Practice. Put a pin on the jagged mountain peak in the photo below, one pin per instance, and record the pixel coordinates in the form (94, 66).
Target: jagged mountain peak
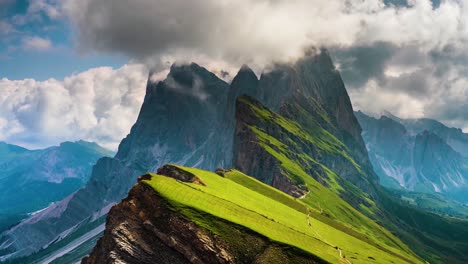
(191, 66)
(245, 82)
(245, 68)
(245, 73)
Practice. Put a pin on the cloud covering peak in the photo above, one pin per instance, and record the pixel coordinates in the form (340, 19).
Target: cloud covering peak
(407, 56)
(260, 31)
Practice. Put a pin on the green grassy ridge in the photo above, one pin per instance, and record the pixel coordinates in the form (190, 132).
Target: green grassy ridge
(248, 246)
(244, 201)
(337, 209)
(295, 164)
(296, 204)
(266, 190)
(437, 239)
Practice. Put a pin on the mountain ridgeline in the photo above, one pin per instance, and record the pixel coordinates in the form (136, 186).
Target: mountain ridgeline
(293, 128)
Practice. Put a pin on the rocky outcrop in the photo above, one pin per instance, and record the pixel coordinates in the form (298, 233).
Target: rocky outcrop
(178, 174)
(144, 228)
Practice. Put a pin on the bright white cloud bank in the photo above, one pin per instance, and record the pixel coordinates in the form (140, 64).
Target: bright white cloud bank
(37, 43)
(98, 105)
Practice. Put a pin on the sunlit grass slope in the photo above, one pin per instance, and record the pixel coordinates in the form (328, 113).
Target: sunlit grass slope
(244, 201)
(290, 151)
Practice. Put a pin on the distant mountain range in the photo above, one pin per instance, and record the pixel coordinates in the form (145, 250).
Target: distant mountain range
(421, 155)
(31, 180)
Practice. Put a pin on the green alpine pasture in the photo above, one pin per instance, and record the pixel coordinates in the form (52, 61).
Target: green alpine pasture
(325, 199)
(244, 201)
(290, 150)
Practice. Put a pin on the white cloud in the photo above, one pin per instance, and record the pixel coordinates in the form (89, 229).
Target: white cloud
(260, 31)
(98, 105)
(418, 92)
(38, 10)
(371, 98)
(50, 8)
(36, 43)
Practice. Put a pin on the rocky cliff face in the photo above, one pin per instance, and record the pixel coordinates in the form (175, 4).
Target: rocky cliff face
(389, 145)
(179, 116)
(144, 228)
(435, 161)
(315, 85)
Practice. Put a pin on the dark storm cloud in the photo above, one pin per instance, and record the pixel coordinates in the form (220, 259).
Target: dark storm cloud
(361, 63)
(143, 27)
(415, 84)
